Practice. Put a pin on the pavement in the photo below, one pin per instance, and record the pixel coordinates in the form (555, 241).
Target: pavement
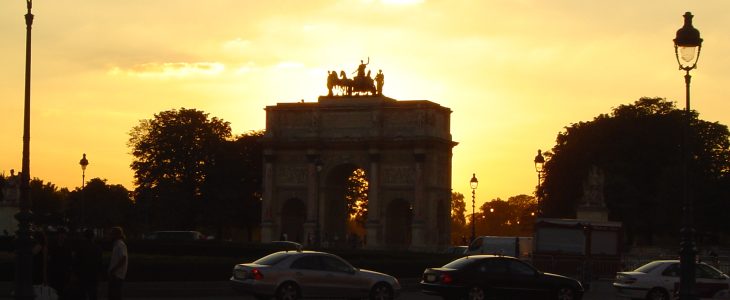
(221, 290)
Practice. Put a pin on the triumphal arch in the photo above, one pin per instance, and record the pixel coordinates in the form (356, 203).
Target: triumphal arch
(404, 149)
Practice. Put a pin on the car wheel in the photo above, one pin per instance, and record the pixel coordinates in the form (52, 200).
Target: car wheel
(566, 293)
(381, 291)
(287, 291)
(475, 293)
(657, 294)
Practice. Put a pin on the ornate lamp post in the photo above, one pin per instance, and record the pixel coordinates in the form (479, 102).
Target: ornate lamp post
(473, 183)
(539, 168)
(318, 164)
(83, 163)
(24, 257)
(687, 46)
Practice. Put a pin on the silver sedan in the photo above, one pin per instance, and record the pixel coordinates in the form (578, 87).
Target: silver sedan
(309, 274)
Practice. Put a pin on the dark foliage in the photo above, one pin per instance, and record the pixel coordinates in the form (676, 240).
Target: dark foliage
(100, 205)
(191, 175)
(638, 148)
(172, 154)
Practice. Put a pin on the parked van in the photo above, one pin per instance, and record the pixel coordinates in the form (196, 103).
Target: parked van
(516, 246)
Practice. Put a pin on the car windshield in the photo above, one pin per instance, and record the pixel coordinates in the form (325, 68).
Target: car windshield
(459, 263)
(648, 267)
(272, 259)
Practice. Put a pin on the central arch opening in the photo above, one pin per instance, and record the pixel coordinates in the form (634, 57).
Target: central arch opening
(345, 206)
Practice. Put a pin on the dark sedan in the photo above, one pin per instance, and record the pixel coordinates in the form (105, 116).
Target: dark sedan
(497, 277)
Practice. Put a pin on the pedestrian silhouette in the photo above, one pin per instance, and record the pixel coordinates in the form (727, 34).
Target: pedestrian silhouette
(117, 263)
(40, 255)
(87, 266)
(59, 262)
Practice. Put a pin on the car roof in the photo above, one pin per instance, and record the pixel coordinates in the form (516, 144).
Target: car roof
(480, 256)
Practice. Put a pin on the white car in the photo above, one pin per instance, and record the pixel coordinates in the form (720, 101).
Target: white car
(659, 280)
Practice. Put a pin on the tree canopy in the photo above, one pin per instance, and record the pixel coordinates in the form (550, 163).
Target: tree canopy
(638, 148)
(192, 174)
(173, 153)
(101, 205)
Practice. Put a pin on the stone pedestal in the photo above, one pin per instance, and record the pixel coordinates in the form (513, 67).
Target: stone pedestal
(418, 242)
(267, 232)
(372, 240)
(310, 234)
(592, 213)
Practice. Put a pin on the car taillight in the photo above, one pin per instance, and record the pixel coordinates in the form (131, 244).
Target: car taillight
(257, 275)
(446, 278)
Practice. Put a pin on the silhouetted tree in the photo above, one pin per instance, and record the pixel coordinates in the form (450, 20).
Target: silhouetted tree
(173, 153)
(233, 187)
(49, 203)
(514, 217)
(356, 198)
(459, 230)
(637, 147)
(103, 206)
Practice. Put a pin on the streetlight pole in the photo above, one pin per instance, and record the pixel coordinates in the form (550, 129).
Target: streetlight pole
(473, 183)
(84, 163)
(24, 257)
(687, 46)
(540, 169)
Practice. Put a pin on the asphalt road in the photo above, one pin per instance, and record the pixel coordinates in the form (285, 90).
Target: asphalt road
(220, 290)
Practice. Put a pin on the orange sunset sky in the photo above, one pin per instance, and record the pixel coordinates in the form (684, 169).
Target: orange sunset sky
(514, 72)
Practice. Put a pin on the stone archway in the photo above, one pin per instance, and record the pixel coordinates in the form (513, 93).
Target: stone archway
(293, 216)
(404, 147)
(399, 216)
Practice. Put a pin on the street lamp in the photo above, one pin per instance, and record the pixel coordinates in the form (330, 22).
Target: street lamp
(687, 46)
(318, 164)
(84, 163)
(540, 169)
(24, 257)
(473, 183)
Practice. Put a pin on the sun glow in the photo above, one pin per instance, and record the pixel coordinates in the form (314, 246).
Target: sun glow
(402, 2)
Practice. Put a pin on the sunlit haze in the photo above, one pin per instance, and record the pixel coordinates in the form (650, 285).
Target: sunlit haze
(514, 72)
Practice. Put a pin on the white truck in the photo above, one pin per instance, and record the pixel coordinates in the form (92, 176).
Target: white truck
(515, 246)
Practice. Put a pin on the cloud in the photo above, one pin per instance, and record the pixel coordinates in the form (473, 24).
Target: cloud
(236, 44)
(290, 65)
(171, 69)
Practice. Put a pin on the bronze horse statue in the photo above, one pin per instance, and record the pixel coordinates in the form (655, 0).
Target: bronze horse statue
(361, 85)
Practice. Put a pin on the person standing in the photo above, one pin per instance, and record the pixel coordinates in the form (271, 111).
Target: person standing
(87, 265)
(117, 263)
(59, 263)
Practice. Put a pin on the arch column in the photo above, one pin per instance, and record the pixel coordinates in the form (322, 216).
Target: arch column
(373, 226)
(267, 215)
(313, 222)
(420, 209)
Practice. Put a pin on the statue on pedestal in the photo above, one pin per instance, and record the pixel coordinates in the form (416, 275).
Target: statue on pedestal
(361, 84)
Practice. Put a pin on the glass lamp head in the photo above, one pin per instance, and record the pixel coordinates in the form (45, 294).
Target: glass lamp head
(687, 44)
(84, 162)
(539, 161)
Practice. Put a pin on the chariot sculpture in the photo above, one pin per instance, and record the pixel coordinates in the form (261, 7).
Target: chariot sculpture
(361, 84)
